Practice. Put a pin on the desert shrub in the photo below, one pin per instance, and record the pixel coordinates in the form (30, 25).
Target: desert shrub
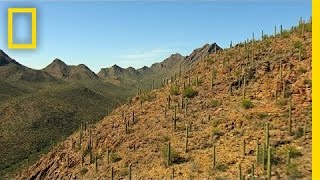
(83, 171)
(285, 34)
(221, 167)
(194, 82)
(189, 92)
(307, 82)
(114, 157)
(247, 104)
(215, 123)
(123, 172)
(174, 90)
(173, 153)
(293, 171)
(302, 70)
(262, 115)
(297, 44)
(294, 152)
(298, 133)
(216, 131)
(282, 102)
(148, 97)
(215, 103)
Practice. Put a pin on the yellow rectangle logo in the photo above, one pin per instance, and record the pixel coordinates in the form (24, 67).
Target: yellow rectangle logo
(11, 44)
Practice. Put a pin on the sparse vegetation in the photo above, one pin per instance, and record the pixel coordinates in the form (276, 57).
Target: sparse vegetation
(215, 103)
(282, 102)
(114, 157)
(189, 92)
(173, 153)
(174, 90)
(247, 104)
(307, 82)
(83, 171)
(262, 115)
(302, 70)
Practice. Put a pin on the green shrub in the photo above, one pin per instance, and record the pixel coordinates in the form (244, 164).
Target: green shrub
(148, 97)
(307, 82)
(215, 123)
(297, 44)
(293, 171)
(83, 171)
(294, 152)
(285, 34)
(298, 133)
(302, 70)
(189, 92)
(114, 157)
(247, 104)
(221, 167)
(173, 153)
(216, 131)
(215, 103)
(282, 102)
(174, 90)
(194, 82)
(262, 115)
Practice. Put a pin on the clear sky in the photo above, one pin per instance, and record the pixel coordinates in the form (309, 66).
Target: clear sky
(137, 33)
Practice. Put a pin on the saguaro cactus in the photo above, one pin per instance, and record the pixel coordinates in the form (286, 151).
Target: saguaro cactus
(186, 140)
(290, 116)
(288, 157)
(257, 152)
(112, 173)
(108, 155)
(267, 135)
(169, 154)
(244, 147)
(96, 161)
(214, 156)
(244, 87)
(175, 118)
(186, 106)
(129, 169)
(240, 172)
(269, 164)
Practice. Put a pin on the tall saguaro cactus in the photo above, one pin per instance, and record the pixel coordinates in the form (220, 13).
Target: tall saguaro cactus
(129, 169)
(186, 140)
(269, 164)
(290, 116)
(169, 154)
(214, 156)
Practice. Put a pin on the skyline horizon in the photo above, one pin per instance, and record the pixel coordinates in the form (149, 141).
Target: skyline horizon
(142, 33)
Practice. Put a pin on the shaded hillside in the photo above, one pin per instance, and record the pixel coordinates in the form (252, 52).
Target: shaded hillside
(243, 107)
(38, 110)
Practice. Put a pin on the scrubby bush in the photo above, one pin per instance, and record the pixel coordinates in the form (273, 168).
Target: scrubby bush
(114, 157)
(282, 102)
(173, 153)
(247, 104)
(215, 103)
(307, 82)
(174, 90)
(189, 92)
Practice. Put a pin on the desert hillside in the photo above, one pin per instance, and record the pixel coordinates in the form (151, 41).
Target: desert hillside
(238, 113)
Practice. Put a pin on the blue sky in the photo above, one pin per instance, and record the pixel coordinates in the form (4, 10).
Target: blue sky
(137, 33)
